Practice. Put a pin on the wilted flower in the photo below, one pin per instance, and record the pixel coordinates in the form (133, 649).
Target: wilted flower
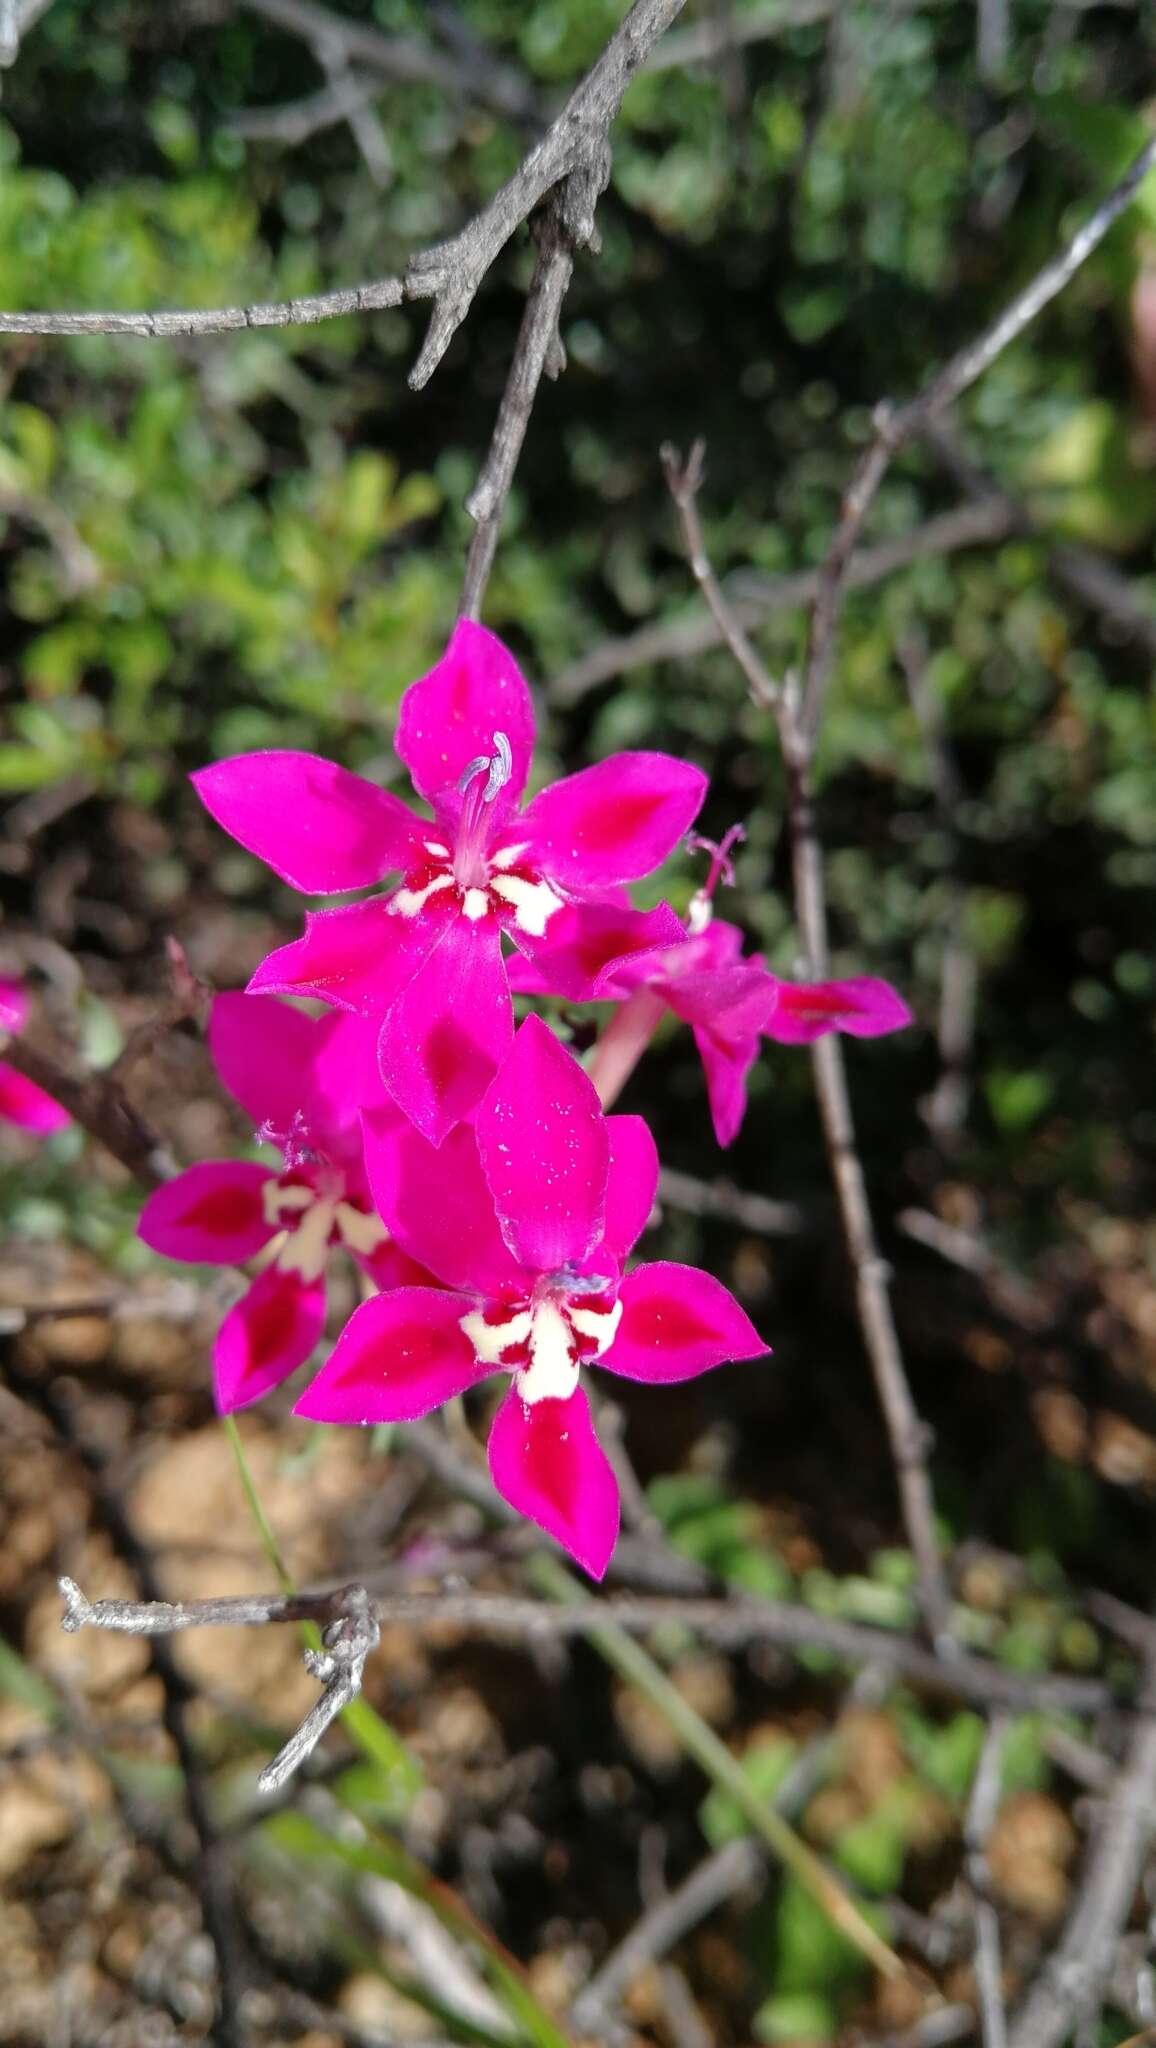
(303, 1080)
(426, 959)
(526, 1218)
(21, 1101)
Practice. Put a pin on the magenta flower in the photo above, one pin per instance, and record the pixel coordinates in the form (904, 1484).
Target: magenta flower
(426, 959)
(21, 1101)
(303, 1081)
(526, 1217)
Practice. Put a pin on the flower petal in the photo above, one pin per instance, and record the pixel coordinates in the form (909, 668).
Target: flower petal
(316, 825)
(632, 1184)
(726, 1063)
(735, 1001)
(450, 716)
(588, 946)
(547, 1462)
(544, 1151)
(863, 1007)
(269, 1333)
(359, 958)
(399, 1356)
(390, 1267)
(23, 1102)
(676, 1322)
(448, 1032)
(615, 821)
(13, 1005)
(213, 1214)
(437, 1204)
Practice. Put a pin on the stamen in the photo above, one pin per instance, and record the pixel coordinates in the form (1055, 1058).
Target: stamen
(721, 869)
(497, 768)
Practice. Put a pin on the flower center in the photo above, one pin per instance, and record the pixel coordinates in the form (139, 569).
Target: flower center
(463, 877)
(544, 1341)
(313, 1211)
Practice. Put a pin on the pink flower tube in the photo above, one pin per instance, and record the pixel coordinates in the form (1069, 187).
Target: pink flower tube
(526, 1218)
(425, 960)
(303, 1081)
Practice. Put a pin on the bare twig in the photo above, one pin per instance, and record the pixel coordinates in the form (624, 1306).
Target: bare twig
(897, 425)
(703, 41)
(752, 598)
(567, 223)
(734, 1623)
(906, 1433)
(1073, 1980)
(450, 273)
(406, 60)
(981, 1812)
(100, 1106)
(757, 1213)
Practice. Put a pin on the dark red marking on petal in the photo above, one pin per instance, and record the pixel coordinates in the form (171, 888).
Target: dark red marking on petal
(269, 1325)
(607, 825)
(665, 1323)
(410, 1348)
(223, 1211)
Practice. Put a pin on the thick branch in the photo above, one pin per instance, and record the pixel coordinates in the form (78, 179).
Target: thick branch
(895, 426)
(451, 272)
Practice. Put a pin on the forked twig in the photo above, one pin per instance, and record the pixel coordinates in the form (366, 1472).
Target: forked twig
(351, 1632)
(895, 425)
(906, 1432)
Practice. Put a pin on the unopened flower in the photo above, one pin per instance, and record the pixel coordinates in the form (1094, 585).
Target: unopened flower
(526, 1218)
(426, 959)
(21, 1101)
(303, 1081)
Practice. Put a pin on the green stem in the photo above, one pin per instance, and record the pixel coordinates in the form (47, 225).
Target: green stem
(632, 1663)
(373, 1736)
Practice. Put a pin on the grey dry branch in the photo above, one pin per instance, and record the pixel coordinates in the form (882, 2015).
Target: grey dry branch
(450, 273)
(1072, 1983)
(734, 1623)
(351, 1631)
(906, 1433)
(895, 426)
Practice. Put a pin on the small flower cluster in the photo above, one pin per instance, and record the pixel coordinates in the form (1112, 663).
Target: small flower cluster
(465, 1166)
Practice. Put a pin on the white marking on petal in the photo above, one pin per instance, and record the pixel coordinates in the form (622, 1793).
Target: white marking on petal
(599, 1323)
(552, 1373)
(408, 902)
(305, 1251)
(534, 903)
(276, 1200)
(435, 847)
(361, 1232)
(490, 1339)
(506, 856)
(700, 912)
(476, 904)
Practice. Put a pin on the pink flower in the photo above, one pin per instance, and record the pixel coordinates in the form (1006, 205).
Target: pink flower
(303, 1081)
(526, 1217)
(21, 1101)
(729, 1002)
(863, 1007)
(426, 959)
